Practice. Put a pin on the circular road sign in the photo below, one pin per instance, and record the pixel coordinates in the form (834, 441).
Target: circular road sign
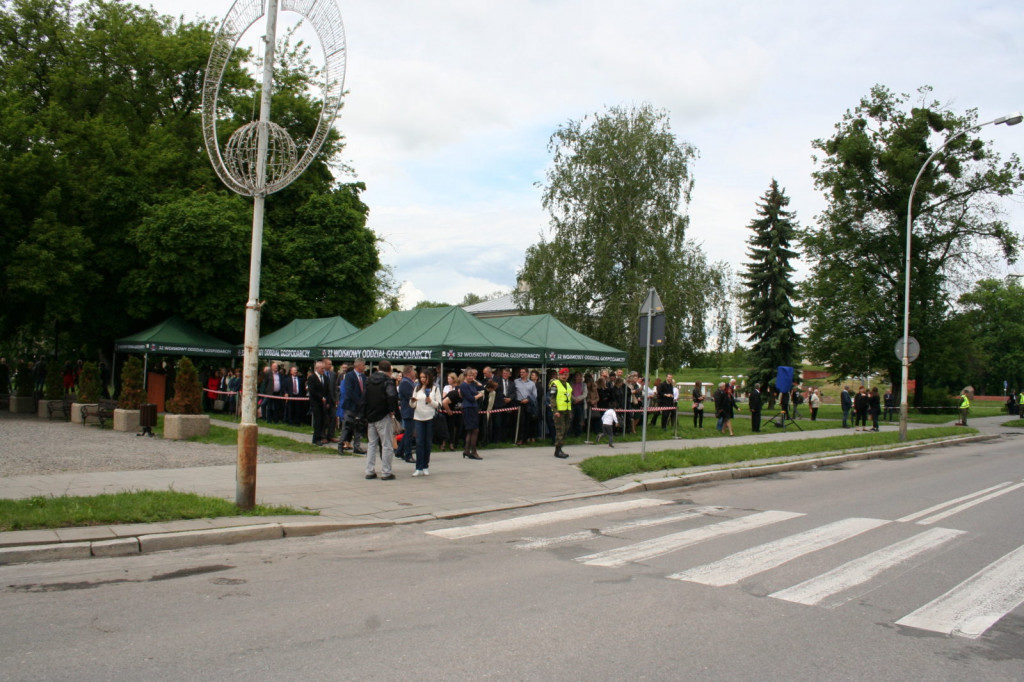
(913, 350)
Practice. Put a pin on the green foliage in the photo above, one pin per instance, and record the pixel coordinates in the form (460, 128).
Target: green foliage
(993, 314)
(108, 200)
(132, 392)
(53, 388)
(769, 291)
(187, 392)
(430, 304)
(854, 296)
(938, 401)
(615, 193)
(23, 383)
(89, 386)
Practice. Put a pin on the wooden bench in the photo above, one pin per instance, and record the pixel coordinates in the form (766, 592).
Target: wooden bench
(63, 407)
(101, 411)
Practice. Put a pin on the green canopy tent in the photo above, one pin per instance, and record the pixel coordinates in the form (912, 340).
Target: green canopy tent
(302, 338)
(173, 336)
(433, 335)
(561, 344)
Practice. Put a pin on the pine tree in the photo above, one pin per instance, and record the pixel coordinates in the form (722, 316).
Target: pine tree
(187, 391)
(132, 393)
(89, 385)
(767, 301)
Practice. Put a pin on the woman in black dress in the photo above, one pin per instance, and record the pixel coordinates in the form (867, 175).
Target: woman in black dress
(468, 391)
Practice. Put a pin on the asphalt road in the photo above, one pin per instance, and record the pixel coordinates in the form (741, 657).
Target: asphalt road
(883, 570)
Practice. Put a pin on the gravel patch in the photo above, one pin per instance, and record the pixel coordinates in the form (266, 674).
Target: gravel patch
(30, 445)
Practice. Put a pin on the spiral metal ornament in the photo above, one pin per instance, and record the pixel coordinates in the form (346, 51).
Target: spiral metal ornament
(241, 154)
(238, 170)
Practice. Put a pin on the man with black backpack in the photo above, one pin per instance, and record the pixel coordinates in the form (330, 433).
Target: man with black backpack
(379, 407)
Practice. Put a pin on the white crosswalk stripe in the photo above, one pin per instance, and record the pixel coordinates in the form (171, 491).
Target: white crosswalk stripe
(749, 562)
(544, 518)
(975, 605)
(817, 590)
(580, 536)
(934, 518)
(948, 503)
(656, 547)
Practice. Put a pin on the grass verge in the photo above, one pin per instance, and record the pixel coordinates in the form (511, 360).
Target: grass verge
(303, 428)
(144, 506)
(608, 467)
(222, 435)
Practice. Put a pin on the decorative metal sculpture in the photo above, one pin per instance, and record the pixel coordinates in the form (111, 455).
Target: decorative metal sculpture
(325, 18)
(261, 158)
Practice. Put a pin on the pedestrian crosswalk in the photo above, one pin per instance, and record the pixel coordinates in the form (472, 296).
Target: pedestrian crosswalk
(967, 609)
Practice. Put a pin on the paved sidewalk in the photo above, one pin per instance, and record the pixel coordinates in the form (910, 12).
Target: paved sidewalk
(335, 486)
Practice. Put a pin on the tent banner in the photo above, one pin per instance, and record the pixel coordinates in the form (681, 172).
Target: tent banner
(286, 353)
(593, 358)
(173, 349)
(431, 355)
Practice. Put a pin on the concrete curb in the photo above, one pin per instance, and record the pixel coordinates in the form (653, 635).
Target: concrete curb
(50, 546)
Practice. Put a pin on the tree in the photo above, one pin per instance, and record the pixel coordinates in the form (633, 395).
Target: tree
(615, 192)
(89, 386)
(187, 391)
(854, 296)
(429, 304)
(767, 298)
(993, 312)
(108, 200)
(132, 395)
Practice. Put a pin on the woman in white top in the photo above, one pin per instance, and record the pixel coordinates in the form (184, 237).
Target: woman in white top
(424, 401)
(814, 400)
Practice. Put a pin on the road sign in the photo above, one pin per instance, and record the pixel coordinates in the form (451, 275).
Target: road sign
(913, 350)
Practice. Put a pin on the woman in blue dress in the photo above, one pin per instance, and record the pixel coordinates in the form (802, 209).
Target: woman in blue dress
(469, 389)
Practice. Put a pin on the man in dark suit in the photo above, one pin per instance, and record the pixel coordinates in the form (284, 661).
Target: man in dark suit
(846, 403)
(406, 387)
(295, 387)
(508, 393)
(492, 433)
(355, 382)
(755, 408)
(272, 387)
(319, 401)
(331, 386)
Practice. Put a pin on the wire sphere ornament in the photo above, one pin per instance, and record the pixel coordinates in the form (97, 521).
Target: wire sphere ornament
(241, 154)
(239, 169)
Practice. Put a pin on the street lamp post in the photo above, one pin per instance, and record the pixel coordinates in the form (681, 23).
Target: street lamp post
(1011, 120)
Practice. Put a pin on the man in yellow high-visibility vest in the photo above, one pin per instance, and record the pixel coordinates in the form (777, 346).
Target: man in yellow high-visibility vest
(965, 405)
(560, 400)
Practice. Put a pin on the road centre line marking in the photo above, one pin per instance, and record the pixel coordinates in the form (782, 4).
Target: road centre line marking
(749, 562)
(942, 505)
(973, 606)
(541, 543)
(859, 571)
(967, 505)
(544, 518)
(655, 547)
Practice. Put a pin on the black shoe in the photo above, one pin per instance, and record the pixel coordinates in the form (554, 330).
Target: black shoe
(561, 455)
(370, 477)
(359, 451)
(389, 477)
(471, 455)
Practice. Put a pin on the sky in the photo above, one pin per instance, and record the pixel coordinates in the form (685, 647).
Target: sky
(451, 104)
